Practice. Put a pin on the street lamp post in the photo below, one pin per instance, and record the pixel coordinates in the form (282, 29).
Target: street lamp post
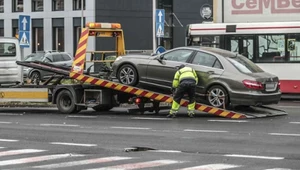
(82, 15)
(153, 24)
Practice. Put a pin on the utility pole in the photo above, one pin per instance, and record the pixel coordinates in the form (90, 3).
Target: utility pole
(82, 15)
(153, 24)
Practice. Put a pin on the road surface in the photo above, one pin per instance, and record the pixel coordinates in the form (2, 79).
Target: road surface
(42, 138)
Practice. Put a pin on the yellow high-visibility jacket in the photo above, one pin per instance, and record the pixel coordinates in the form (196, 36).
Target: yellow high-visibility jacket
(184, 73)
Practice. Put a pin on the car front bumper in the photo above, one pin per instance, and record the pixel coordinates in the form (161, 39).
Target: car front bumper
(255, 98)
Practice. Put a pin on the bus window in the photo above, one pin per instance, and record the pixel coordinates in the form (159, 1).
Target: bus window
(293, 47)
(207, 41)
(271, 48)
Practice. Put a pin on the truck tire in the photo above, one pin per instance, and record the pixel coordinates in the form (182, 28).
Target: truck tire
(102, 108)
(65, 102)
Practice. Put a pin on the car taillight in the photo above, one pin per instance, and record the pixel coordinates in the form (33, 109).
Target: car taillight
(278, 85)
(253, 85)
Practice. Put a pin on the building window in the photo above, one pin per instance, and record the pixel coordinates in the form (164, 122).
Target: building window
(17, 5)
(77, 33)
(77, 4)
(37, 5)
(58, 39)
(15, 32)
(1, 32)
(57, 5)
(37, 39)
(1, 6)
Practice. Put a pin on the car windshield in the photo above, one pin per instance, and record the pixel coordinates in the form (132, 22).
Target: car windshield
(244, 65)
(35, 57)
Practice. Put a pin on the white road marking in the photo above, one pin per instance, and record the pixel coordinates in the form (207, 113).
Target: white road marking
(207, 131)
(2, 147)
(82, 162)
(291, 107)
(139, 165)
(212, 167)
(8, 140)
(284, 134)
(82, 116)
(165, 151)
(295, 122)
(35, 159)
(278, 169)
(18, 152)
(73, 144)
(63, 125)
(150, 118)
(231, 121)
(10, 114)
(132, 128)
(5, 122)
(254, 156)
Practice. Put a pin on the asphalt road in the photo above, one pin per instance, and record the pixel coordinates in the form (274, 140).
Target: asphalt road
(45, 139)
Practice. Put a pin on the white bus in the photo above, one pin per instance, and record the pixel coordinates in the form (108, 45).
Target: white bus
(274, 46)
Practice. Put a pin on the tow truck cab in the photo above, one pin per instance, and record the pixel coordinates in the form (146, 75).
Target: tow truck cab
(10, 71)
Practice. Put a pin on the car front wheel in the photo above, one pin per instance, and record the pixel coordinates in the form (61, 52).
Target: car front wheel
(218, 97)
(127, 74)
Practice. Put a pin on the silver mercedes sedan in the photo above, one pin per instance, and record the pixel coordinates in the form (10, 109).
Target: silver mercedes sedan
(225, 78)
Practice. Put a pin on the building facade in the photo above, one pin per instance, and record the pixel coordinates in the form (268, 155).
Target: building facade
(56, 24)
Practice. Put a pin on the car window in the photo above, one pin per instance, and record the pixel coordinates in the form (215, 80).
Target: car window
(66, 57)
(178, 55)
(57, 58)
(205, 59)
(244, 65)
(34, 57)
(218, 65)
(7, 49)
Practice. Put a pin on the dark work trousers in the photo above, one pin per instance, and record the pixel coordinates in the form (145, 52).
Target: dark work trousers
(185, 87)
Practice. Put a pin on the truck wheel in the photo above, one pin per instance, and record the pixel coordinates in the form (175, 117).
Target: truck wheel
(65, 102)
(102, 108)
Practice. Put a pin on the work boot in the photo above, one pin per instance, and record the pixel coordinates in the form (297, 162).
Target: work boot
(191, 114)
(171, 116)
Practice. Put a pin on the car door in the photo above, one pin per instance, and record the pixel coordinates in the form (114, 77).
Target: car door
(208, 69)
(162, 72)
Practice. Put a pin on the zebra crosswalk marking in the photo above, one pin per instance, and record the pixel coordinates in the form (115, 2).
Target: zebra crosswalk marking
(212, 167)
(139, 165)
(83, 162)
(18, 152)
(35, 159)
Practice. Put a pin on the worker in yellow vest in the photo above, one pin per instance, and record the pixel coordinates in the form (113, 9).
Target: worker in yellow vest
(185, 81)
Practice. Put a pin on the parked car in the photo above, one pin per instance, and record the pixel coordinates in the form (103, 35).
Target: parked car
(224, 77)
(51, 57)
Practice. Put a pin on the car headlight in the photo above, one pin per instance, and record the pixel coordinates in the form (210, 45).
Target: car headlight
(118, 58)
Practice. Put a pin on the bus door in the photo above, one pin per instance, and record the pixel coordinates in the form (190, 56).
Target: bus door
(240, 44)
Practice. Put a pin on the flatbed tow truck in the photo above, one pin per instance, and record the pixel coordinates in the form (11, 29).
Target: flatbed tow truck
(100, 92)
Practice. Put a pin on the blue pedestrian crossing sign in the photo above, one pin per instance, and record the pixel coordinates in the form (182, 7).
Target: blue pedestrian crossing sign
(159, 21)
(24, 31)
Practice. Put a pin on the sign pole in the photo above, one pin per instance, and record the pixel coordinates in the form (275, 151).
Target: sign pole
(154, 24)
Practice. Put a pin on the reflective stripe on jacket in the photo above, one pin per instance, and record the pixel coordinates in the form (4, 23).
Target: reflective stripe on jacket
(184, 73)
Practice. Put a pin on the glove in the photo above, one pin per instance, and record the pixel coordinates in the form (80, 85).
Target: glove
(173, 90)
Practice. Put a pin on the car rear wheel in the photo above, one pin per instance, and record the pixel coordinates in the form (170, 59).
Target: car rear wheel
(128, 75)
(218, 96)
(35, 78)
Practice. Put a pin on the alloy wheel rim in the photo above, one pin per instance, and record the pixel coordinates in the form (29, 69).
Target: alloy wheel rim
(216, 97)
(127, 75)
